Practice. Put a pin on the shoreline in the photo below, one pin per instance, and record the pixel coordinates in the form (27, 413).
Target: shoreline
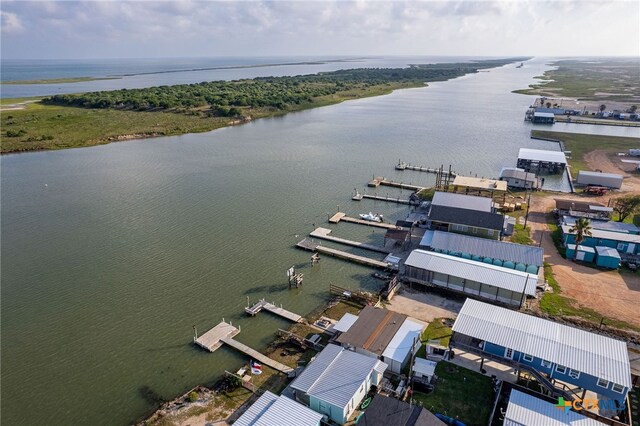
(64, 80)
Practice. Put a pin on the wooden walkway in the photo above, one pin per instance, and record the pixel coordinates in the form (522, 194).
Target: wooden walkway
(368, 222)
(309, 244)
(273, 308)
(401, 185)
(211, 340)
(223, 333)
(405, 166)
(389, 199)
(323, 234)
(262, 359)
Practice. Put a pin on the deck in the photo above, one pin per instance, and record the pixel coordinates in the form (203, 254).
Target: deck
(212, 339)
(223, 333)
(338, 217)
(323, 234)
(401, 185)
(389, 199)
(406, 166)
(273, 308)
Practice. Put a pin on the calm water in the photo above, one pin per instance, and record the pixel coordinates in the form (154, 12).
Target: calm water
(110, 254)
(137, 73)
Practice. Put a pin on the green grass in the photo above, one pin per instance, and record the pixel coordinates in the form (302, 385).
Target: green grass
(555, 304)
(606, 79)
(436, 330)
(581, 144)
(521, 235)
(459, 393)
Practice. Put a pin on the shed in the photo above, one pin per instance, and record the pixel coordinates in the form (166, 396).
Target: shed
(610, 180)
(273, 410)
(424, 368)
(519, 178)
(607, 257)
(543, 117)
(585, 254)
(345, 322)
(526, 410)
(399, 349)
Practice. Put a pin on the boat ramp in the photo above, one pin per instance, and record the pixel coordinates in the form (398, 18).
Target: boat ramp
(223, 333)
(311, 245)
(273, 308)
(323, 234)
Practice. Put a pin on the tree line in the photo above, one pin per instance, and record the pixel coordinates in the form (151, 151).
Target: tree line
(228, 98)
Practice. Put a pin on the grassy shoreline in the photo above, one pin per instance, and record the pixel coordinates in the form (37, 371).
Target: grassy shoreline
(39, 127)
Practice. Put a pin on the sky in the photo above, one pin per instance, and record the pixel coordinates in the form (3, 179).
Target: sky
(141, 29)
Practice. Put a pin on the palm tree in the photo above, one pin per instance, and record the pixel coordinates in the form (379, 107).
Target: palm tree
(582, 228)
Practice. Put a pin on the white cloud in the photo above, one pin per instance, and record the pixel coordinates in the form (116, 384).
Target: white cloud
(11, 23)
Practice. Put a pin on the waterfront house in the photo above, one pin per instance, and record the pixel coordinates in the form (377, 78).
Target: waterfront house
(469, 277)
(538, 160)
(555, 354)
(609, 180)
(385, 411)
(273, 410)
(462, 201)
(509, 255)
(527, 410)
(520, 179)
(336, 381)
(385, 335)
(477, 185)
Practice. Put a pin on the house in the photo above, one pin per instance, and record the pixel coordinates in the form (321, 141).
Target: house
(385, 411)
(385, 335)
(469, 277)
(509, 255)
(273, 410)
(527, 410)
(604, 225)
(623, 242)
(550, 351)
(466, 221)
(468, 184)
(537, 161)
(609, 180)
(336, 381)
(463, 201)
(518, 178)
(590, 210)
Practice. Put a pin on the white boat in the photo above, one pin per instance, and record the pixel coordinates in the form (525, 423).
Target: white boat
(371, 217)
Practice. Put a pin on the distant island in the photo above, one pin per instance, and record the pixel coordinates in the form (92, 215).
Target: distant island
(60, 80)
(87, 119)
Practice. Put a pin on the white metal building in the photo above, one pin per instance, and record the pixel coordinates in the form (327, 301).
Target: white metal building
(610, 180)
(526, 410)
(273, 410)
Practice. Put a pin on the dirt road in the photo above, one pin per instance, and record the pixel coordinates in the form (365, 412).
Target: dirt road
(610, 293)
(601, 160)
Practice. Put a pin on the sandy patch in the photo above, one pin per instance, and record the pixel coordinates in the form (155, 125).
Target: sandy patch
(423, 306)
(601, 160)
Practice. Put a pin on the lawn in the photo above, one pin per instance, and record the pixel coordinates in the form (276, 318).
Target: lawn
(436, 330)
(581, 144)
(521, 235)
(459, 393)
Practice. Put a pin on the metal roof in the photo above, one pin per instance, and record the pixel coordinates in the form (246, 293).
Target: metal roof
(480, 183)
(607, 251)
(529, 255)
(599, 174)
(513, 172)
(388, 411)
(542, 155)
(497, 276)
(271, 410)
(336, 375)
(400, 346)
(424, 366)
(467, 217)
(544, 114)
(605, 225)
(526, 410)
(579, 350)
(345, 322)
(607, 235)
(373, 330)
(581, 248)
(427, 238)
(462, 201)
(579, 206)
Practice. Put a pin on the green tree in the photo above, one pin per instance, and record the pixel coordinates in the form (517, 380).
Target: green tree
(582, 228)
(603, 107)
(633, 108)
(625, 206)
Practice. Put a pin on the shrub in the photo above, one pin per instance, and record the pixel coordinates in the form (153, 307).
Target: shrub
(193, 396)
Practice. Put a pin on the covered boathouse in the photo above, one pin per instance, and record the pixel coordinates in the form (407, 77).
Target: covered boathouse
(469, 277)
(538, 161)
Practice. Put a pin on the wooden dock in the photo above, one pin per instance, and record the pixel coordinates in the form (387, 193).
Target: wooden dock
(406, 166)
(346, 218)
(337, 217)
(212, 339)
(309, 244)
(389, 199)
(223, 333)
(401, 185)
(375, 182)
(273, 308)
(323, 234)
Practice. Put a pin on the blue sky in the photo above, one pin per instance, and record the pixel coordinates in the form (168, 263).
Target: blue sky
(121, 29)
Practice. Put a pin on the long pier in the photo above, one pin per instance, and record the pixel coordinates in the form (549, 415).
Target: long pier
(308, 244)
(342, 217)
(401, 185)
(224, 333)
(389, 199)
(323, 234)
(405, 166)
(273, 308)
